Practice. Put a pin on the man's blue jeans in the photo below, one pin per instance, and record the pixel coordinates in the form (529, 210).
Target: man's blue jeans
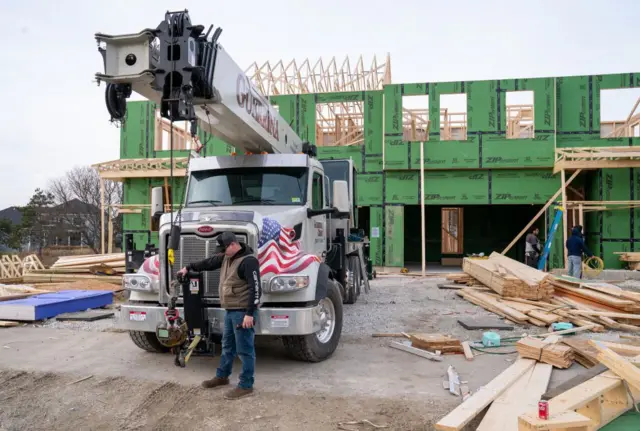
(241, 342)
(575, 266)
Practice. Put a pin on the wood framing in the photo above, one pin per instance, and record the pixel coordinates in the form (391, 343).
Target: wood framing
(542, 210)
(596, 158)
(630, 127)
(520, 122)
(322, 77)
(119, 170)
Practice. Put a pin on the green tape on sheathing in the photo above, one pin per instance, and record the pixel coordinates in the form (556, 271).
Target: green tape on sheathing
(373, 164)
(307, 117)
(394, 236)
(447, 154)
(347, 96)
(402, 188)
(482, 106)
(373, 122)
(500, 152)
(461, 188)
(369, 188)
(573, 104)
(416, 89)
(133, 134)
(396, 153)
(523, 186)
(376, 222)
(393, 109)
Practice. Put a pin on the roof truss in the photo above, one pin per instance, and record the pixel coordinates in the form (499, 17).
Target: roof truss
(294, 77)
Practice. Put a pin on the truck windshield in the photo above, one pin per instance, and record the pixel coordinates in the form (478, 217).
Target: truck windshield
(267, 186)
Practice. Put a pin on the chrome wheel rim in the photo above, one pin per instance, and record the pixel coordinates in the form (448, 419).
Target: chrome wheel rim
(327, 320)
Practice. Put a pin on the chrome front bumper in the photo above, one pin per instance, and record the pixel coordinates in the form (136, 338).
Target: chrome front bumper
(270, 321)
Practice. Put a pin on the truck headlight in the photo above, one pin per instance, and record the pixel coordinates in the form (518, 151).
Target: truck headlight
(287, 283)
(137, 282)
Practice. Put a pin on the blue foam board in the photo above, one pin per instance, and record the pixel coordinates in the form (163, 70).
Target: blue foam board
(49, 305)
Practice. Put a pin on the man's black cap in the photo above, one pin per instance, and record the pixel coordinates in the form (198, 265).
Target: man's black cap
(224, 240)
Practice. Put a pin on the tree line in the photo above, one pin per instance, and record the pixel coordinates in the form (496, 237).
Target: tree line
(68, 209)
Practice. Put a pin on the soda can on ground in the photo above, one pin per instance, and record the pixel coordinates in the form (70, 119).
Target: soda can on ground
(543, 410)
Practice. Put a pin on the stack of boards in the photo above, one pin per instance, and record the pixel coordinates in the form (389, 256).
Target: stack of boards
(524, 295)
(102, 267)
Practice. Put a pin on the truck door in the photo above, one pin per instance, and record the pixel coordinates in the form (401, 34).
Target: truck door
(316, 228)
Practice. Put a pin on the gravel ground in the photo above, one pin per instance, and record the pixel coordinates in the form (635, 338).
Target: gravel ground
(365, 379)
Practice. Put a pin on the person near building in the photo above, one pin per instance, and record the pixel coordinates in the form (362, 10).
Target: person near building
(239, 296)
(532, 249)
(575, 249)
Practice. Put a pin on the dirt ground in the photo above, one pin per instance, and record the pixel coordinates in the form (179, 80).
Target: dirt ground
(64, 375)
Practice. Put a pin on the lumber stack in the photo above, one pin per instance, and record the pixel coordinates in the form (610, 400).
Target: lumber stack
(558, 355)
(436, 342)
(99, 267)
(631, 258)
(525, 295)
(509, 278)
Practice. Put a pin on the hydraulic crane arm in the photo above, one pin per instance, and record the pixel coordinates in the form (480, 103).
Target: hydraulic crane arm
(192, 79)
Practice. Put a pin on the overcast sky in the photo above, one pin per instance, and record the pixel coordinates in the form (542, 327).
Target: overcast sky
(54, 118)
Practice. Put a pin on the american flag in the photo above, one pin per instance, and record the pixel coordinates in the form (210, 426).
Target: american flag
(278, 253)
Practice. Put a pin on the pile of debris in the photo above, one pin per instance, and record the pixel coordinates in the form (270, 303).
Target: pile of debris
(590, 400)
(100, 267)
(524, 295)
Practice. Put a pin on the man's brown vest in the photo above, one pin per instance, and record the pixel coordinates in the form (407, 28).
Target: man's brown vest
(234, 291)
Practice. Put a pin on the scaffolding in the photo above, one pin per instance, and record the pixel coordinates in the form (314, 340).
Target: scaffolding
(596, 158)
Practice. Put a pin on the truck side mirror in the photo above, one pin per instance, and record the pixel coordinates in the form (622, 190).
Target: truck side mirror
(157, 207)
(341, 197)
(157, 201)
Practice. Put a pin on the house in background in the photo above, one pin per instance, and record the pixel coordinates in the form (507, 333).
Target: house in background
(73, 224)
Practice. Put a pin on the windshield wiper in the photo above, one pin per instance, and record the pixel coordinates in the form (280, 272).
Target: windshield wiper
(261, 201)
(204, 201)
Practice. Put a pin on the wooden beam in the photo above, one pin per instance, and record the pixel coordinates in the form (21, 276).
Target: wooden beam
(563, 187)
(580, 215)
(422, 211)
(102, 215)
(537, 216)
(469, 409)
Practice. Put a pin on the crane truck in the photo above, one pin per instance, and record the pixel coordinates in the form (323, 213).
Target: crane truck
(295, 211)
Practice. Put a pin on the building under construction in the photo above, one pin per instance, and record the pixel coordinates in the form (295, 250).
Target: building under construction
(483, 158)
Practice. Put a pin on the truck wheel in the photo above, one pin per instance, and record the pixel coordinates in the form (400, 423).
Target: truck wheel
(147, 341)
(321, 345)
(352, 291)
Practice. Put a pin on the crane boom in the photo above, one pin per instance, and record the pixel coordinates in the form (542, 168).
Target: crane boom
(192, 78)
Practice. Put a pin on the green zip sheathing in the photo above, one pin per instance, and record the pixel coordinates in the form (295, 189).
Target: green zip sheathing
(484, 169)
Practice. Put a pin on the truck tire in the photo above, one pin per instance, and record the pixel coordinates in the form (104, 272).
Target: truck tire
(352, 290)
(321, 345)
(147, 341)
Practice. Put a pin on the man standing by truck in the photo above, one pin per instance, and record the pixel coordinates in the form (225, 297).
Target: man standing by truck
(239, 296)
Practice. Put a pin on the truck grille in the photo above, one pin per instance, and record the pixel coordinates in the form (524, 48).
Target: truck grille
(193, 249)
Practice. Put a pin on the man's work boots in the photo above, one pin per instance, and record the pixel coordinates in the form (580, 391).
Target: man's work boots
(215, 382)
(238, 393)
